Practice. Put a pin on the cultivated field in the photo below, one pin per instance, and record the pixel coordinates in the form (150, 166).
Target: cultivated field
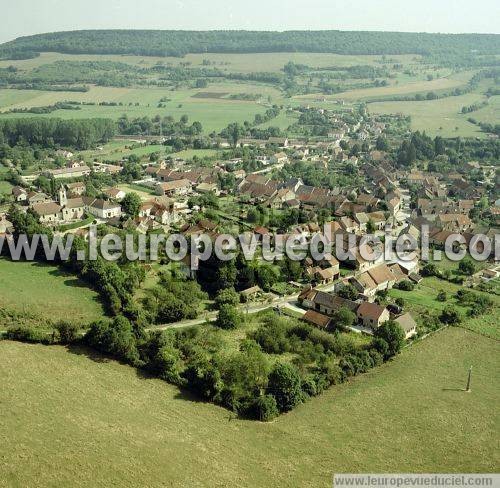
(213, 113)
(68, 419)
(46, 292)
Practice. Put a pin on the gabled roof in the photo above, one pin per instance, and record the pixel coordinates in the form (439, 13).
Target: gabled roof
(316, 318)
(370, 311)
(407, 322)
(48, 208)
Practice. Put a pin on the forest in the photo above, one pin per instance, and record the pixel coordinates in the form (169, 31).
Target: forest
(180, 43)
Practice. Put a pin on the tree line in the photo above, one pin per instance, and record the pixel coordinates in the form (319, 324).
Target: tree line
(180, 43)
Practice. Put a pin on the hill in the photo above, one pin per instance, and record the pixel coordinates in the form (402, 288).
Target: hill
(180, 43)
(78, 419)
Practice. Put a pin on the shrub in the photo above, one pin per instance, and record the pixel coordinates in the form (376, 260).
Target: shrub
(442, 296)
(393, 335)
(24, 333)
(67, 331)
(450, 315)
(263, 408)
(285, 386)
(405, 285)
(229, 317)
(227, 296)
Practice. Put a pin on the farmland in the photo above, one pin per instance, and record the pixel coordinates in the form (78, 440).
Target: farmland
(214, 114)
(215, 109)
(46, 292)
(96, 420)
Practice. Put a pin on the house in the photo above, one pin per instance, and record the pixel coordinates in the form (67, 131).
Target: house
(315, 318)
(279, 158)
(408, 324)
(176, 187)
(207, 188)
(163, 212)
(48, 212)
(371, 315)
(76, 189)
(77, 172)
(102, 208)
(327, 275)
(19, 194)
(35, 198)
(250, 293)
(115, 194)
(373, 280)
(328, 303)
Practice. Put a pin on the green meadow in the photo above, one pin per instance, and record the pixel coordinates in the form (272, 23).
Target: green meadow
(74, 418)
(46, 292)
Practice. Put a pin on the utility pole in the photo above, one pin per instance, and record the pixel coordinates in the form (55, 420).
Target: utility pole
(468, 379)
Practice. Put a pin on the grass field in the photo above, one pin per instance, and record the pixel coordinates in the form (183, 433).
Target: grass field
(213, 113)
(437, 117)
(47, 292)
(5, 187)
(244, 63)
(423, 299)
(68, 419)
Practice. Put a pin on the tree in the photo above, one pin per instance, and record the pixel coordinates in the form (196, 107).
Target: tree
(467, 267)
(131, 204)
(442, 296)
(393, 335)
(381, 144)
(264, 408)
(285, 386)
(370, 227)
(68, 332)
(228, 296)
(349, 292)
(450, 315)
(229, 317)
(400, 302)
(343, 318)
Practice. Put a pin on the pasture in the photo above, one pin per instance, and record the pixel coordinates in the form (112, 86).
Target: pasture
(440, 117)
(244, 63)
(424, 299)
(46, 292)
(213, 113)
(94, 421)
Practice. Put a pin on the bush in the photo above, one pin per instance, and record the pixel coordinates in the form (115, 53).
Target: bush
(442, 296)
(450, 315)
(394, 337)
(263, 408)
(67, 331)
(115, 338)
(227, 296)
(285, 386)
(24, 333)
(229, 317)
(405, 285)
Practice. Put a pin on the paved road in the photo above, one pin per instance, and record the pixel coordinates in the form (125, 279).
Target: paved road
(289, 301)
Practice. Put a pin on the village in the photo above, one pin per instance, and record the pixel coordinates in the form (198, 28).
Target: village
(178, 196)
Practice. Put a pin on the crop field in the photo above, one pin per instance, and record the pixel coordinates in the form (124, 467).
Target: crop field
(214, 113)
(96, 421)
(271, 62)
(47, 292)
